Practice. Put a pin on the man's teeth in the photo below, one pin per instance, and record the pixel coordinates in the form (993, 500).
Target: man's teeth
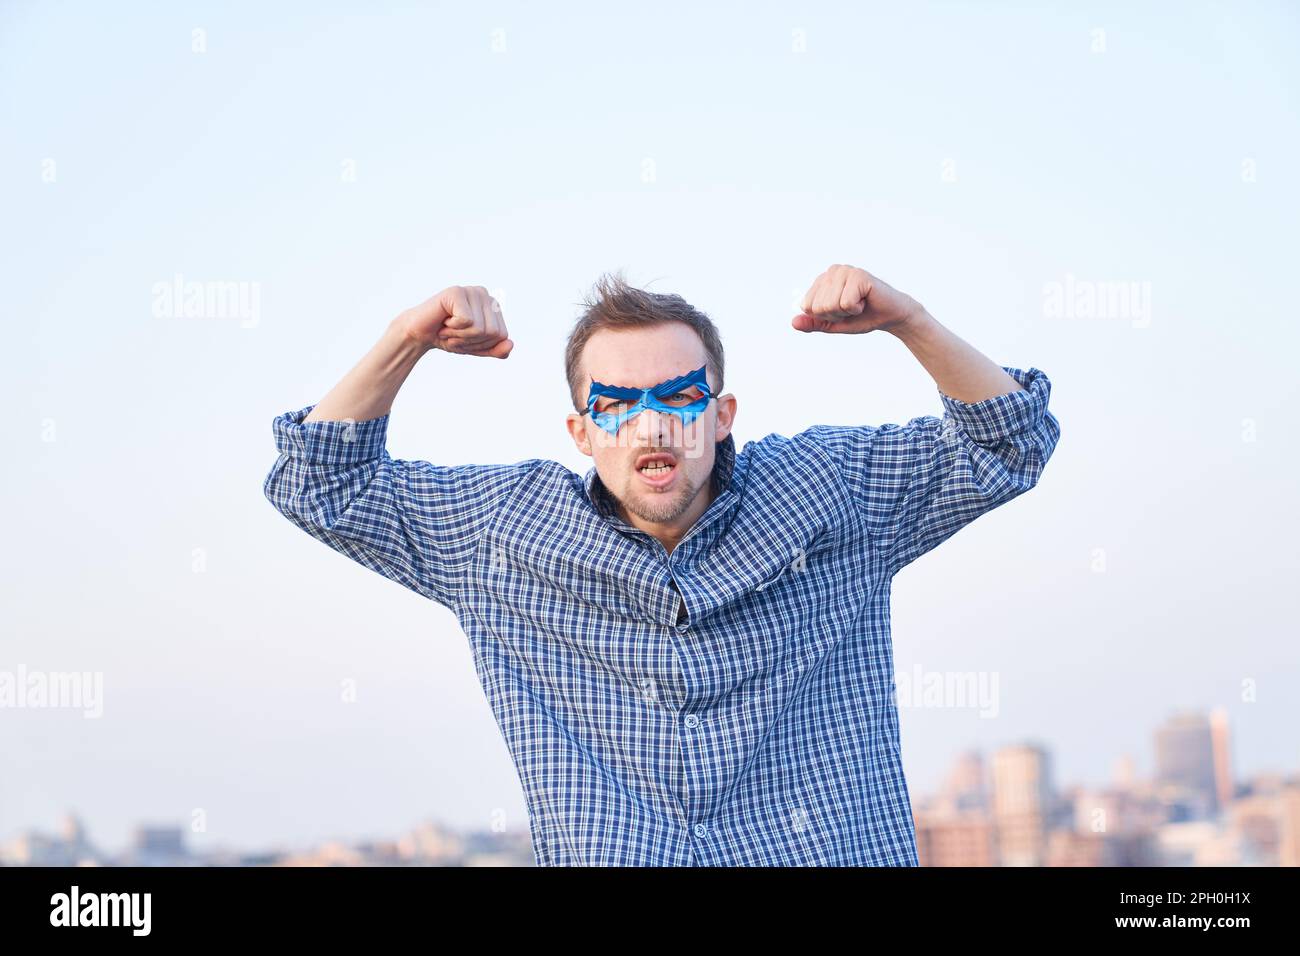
(657, 468)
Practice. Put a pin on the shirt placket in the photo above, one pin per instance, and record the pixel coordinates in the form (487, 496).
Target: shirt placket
(689, 726)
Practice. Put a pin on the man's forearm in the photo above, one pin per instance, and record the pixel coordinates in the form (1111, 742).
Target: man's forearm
(959, 369)
(846, 299)
(368, 390)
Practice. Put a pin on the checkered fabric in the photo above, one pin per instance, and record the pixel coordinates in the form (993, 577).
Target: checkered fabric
(730, 703)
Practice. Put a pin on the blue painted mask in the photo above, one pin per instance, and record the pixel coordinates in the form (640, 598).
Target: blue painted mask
(677, 396)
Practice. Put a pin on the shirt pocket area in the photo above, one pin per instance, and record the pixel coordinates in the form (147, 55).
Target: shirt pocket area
(798, 558)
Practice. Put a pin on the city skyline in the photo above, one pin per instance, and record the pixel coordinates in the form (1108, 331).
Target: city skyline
(1005, 811)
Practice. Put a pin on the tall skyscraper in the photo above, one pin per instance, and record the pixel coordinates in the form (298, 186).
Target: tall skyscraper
(1224, 784)
(1185, 764)
(1022, 804)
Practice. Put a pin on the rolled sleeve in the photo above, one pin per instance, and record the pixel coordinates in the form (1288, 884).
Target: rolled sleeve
(329, 443)
(996, 418)
(414, 522)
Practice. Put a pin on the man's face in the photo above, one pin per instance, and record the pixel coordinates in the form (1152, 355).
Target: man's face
(666, 501)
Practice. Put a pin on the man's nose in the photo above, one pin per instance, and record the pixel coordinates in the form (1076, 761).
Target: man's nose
(652, 427)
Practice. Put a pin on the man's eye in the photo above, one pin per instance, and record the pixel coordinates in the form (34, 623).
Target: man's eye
(619, 405)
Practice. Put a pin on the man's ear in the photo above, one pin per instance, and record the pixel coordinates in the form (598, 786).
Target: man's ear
(726, 415)
(577, 425)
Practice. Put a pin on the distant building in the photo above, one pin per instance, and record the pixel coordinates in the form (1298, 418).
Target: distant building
(1072, 848)
(1256, 820)
(1221, 740)
(965, 840)
(1181, 844)
(1185, 766)
(332, 853)
(158, 846)
(69, 848)
(1023, 804)
(1289, 826)
(431, 844)
(967, 784)
(1125, 772)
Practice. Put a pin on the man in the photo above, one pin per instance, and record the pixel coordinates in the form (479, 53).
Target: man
(687, 650)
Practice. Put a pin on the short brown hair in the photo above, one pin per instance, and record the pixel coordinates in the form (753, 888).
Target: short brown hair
(613, 304)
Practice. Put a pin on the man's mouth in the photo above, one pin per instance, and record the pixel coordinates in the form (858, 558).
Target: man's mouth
(657, 469)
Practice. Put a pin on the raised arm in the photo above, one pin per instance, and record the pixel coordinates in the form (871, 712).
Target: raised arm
(919, 483)
(845, 299)
(413, 522)
(463, 319)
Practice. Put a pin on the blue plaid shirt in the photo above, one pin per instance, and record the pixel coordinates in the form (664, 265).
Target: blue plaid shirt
(730, 703)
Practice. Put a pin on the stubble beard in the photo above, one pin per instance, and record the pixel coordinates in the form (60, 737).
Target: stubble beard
(660, 508)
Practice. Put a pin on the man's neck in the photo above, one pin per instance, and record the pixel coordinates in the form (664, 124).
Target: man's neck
(671, 535)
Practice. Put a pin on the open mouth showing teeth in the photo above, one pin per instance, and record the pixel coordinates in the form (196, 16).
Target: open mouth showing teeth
(658, 465)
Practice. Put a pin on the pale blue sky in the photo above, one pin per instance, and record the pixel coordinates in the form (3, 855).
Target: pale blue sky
(968, 154)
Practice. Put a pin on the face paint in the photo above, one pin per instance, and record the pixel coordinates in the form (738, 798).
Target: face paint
(675, 396)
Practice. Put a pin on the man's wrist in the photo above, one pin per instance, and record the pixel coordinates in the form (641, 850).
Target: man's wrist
(916, 325)
(406, 344)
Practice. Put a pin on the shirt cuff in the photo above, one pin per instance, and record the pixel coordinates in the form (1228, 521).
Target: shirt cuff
(329, 443)
(1003, 415)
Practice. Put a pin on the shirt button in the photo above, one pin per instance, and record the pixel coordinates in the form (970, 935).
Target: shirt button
(701, 830)
(692, 720)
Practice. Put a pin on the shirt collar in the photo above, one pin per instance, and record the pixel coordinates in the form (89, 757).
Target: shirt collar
(724, 467)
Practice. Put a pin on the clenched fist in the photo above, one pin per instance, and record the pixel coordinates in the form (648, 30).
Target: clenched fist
(462, 319)
(845, 299)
